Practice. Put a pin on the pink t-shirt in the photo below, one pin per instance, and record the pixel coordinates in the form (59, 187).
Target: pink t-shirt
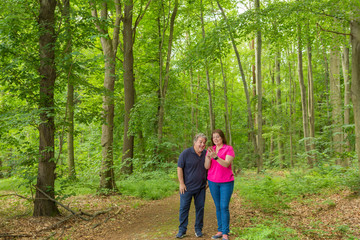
(218, 173)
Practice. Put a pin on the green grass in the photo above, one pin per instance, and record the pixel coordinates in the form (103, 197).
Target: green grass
(269, 230)
(13, 184)
(272, 193)
(152, 185)
(148, 186)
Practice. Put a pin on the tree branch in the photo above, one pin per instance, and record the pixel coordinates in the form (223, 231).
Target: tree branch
(339, 33)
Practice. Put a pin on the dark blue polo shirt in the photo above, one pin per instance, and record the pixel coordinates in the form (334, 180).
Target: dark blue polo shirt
(193, 169)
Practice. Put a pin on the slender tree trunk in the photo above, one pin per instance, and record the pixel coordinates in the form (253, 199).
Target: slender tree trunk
(109, 47)
(164, 84)
(250, 122)
(43, 206)
(326, 79)
(347, 97)
(258, 43)
(291, 97)
(211, 114)
(129, 89)
(193, 122)
(226, 114)
(336, 102)
(311, 110)
(70, 90)
(303, 99)
(355, 84)
(279, 108)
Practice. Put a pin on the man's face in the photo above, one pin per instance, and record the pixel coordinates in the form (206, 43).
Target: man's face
(199, 145)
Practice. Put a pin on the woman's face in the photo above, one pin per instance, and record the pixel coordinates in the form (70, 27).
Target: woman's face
(217, 139)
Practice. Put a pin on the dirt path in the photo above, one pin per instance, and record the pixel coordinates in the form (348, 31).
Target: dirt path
(159, 220)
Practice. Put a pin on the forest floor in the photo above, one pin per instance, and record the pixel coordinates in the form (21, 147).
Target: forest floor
(336, 216)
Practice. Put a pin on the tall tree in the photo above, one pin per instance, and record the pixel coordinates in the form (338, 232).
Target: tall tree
(347, 94)
(355, 83)
(258, 46)
(311, 104)
(336, 101)
(279, 108)
(70, 88)
(43, 206)
(208, 85)
(164, 82)
(250, 122)
(303, 99)
(129, 89)
(109, 47)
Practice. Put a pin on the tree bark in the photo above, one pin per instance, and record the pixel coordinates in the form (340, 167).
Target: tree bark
(129, 89)
(226, 114)
(70, 90)
(336, 102)
(211, 114)
(109, 47)
(303, 99)
(311, 110)
(347, 97)
(280, 142)
(258, 43)
(164, 83)
(46, 169)
(355, 84)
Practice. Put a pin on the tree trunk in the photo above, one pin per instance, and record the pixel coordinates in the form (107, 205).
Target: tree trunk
(291, 98)
(193, 122)
(163, 84)
(250, 122)
(326, 79)
(347, 96)
(226, 114)
(258, 43)
(280, 142)
(303, 99)
(311, 110)
(109, 47)
(129, 89)
(70, 90)
(336, 102)
(43, 206)
(211, 114)
(355, 84)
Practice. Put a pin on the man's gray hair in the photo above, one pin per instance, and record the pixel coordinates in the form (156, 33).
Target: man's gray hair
(199, 135)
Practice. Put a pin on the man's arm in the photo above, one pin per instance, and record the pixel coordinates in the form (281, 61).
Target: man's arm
(182, 186)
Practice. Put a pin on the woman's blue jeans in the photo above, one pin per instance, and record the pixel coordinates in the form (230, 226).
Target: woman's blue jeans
(221, 194)
(185, 202)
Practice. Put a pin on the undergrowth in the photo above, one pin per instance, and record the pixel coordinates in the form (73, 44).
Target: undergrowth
(272, 192)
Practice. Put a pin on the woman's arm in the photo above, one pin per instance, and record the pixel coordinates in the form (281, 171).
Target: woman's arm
(225, 162)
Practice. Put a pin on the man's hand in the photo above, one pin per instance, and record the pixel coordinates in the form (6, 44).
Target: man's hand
(182, 188)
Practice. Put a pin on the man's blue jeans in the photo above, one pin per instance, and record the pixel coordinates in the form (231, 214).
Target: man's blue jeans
(185, 202)
(221, 194)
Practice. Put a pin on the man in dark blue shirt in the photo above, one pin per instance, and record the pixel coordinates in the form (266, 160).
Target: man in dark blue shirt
(192, 178)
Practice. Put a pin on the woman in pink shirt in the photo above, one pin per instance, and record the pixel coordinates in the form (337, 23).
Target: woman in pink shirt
(218, 161)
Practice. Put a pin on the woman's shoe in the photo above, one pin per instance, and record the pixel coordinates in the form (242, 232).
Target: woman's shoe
(225, 237)
(217, 236)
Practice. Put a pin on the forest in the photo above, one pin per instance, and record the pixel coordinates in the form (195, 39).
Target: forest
(101, 96)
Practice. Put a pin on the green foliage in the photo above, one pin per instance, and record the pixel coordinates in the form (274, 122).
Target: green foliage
(269, 230)
(264, 193)
(273, 193)
(154, 185)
